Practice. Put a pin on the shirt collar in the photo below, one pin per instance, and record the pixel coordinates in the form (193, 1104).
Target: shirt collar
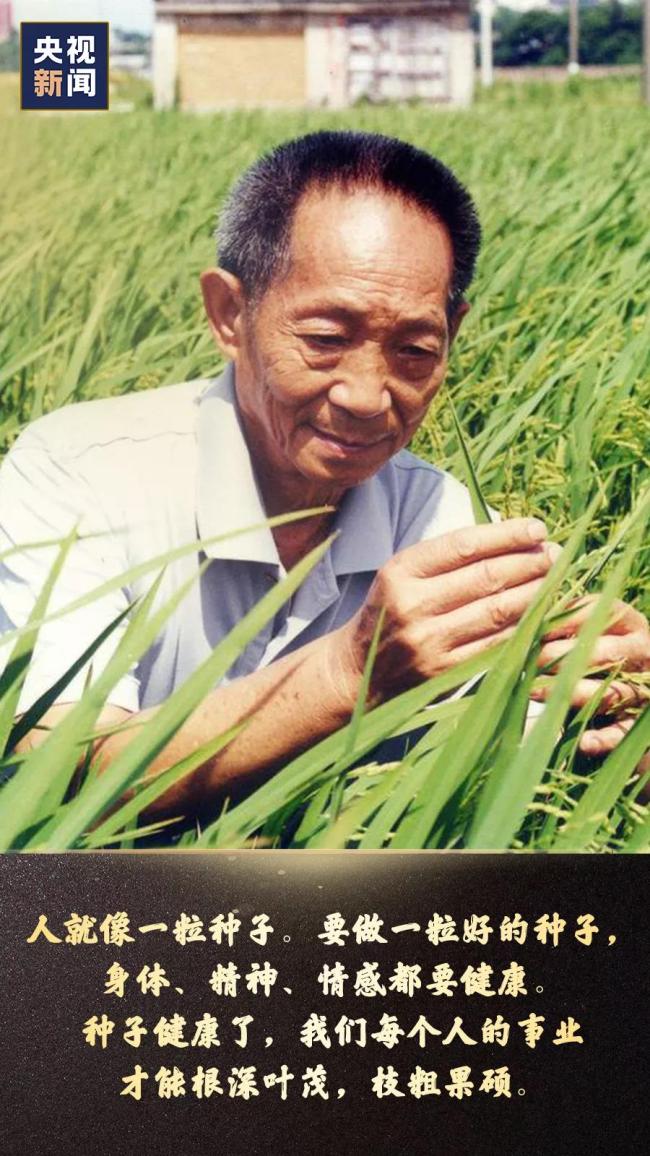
(228, 498)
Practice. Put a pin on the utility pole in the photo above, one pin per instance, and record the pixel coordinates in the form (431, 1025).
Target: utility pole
(645, 73)
(485, 15)
(574, 33)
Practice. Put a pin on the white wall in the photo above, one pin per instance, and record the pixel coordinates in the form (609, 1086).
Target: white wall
(327, 54)
(325, 62)
(461, 67)
(164, 62)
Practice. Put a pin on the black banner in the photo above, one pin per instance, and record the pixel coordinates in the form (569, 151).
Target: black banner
(341, 1002)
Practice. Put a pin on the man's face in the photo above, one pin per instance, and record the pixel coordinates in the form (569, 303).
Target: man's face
(339, 361)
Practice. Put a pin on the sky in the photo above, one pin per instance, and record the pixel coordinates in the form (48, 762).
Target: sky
(133, 15)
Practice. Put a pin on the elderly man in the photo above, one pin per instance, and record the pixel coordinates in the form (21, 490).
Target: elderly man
(344, 262)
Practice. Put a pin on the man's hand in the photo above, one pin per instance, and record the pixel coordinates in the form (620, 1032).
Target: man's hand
(624, 646)
(445, 600)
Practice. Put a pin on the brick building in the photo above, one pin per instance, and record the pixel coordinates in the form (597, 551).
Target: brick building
(214, 54)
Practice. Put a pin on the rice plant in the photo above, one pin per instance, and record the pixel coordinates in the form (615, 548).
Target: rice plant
(105, 223)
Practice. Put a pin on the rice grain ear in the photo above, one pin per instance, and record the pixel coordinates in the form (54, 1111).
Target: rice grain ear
(501, 810)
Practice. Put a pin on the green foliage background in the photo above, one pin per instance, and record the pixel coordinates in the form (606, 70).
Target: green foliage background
(105, 225)
(608, 34)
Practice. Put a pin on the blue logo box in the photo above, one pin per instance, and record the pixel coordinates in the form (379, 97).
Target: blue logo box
(63, 65)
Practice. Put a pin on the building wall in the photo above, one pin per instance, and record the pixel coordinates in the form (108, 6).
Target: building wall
(240, 69)
(210, 62)
(326, 62)
(461, 67)
(5, 20)
(401, 59)
(165, 63)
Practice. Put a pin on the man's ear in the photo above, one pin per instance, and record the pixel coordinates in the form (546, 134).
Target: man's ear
(223, 298)
(456, 318)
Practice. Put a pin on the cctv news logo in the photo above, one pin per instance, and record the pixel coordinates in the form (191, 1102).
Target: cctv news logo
(63, 65)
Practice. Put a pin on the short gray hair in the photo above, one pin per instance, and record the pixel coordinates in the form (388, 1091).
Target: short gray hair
(254, 231)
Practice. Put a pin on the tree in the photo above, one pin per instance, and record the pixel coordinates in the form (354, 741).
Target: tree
(9, 61)
(609, 34)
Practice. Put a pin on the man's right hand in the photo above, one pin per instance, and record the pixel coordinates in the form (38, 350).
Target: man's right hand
(445, 600)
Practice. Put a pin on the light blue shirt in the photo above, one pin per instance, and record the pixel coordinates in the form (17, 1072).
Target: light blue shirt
(152, 471)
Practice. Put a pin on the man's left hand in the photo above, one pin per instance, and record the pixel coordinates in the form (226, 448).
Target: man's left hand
(625, 647)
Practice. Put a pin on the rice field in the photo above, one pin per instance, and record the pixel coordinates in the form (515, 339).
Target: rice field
(105, 225)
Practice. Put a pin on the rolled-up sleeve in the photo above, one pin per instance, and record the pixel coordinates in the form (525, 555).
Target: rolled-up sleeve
(43, 497)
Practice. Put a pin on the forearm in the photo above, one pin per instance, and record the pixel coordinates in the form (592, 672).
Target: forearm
(285, 708)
